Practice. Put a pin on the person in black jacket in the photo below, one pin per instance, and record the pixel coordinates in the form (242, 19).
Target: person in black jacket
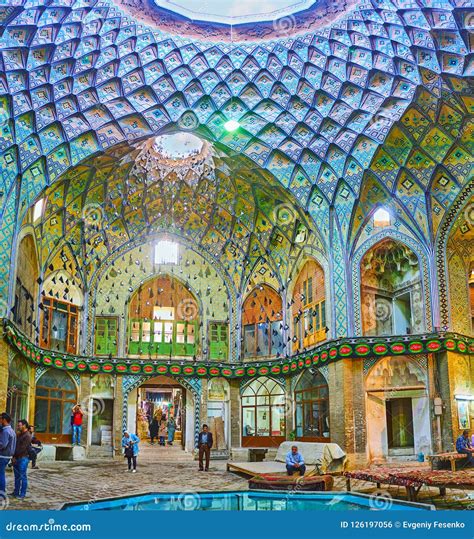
(35, 448)
(204, 445)
(153, 430)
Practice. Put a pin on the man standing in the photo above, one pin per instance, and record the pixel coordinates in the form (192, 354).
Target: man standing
(204, 445)
(7, 447)
(76, 422)
(21, 459)
(463, 445)
(295, 462)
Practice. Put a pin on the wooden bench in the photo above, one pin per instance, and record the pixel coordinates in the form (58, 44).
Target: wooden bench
(451, 457)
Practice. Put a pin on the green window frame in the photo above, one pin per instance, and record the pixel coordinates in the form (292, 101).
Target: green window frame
(106, 336)
(218, 340)
(162, 337)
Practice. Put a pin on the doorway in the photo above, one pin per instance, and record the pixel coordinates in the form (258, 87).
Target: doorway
(162, 399)
(399, 414)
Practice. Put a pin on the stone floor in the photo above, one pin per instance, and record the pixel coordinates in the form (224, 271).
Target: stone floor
(170, 470)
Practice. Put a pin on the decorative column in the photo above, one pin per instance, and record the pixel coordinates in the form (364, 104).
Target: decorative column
(84, 398)
(456, 378)
(339, 273)
(3, 372)
(235, 428)
(347, 409)
(118, 414)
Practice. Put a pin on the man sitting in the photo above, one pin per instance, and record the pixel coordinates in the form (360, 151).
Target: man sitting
(463, 445)
(295, 462)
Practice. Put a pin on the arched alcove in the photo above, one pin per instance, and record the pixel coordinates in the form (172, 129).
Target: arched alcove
(163, 319)
(391, 290)
(262, 327)
(397, 408)
(26, 287)
(308, 307)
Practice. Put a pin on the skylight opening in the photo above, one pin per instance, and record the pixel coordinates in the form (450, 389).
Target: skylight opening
(38, 210)
(381, 218)
(235, 11)
(166, 252)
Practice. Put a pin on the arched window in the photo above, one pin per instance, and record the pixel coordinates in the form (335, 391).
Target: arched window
(391, 293)
(56, 394)
(163, 319)
(18, 388)
(263, 414)
(312, 407)
(309, 307)
(62, 299)
(262, 323)
(26, 286)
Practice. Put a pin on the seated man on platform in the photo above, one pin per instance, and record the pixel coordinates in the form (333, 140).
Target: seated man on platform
(295, 462)
(463, 445)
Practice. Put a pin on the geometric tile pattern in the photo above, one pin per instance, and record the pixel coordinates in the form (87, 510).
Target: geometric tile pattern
(373, 92)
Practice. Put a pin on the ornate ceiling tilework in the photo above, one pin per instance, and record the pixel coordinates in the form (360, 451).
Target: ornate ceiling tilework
(315, 103)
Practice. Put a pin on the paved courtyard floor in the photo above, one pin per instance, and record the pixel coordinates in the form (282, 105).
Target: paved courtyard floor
(170, 470)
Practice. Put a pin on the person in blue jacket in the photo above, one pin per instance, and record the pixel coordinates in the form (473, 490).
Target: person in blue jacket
(131, 449)
(295, 462)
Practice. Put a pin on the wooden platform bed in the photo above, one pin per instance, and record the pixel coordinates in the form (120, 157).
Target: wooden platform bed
(452, 458)
(413, 480)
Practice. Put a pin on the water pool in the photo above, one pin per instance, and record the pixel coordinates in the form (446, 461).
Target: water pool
(246, 501)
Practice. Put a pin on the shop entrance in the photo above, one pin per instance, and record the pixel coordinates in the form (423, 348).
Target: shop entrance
(161, 413)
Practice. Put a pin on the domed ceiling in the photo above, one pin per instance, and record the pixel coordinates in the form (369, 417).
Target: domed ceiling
(239, 215)
(346, 104)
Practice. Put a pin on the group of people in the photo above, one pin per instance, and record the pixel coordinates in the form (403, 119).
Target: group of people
(131, 445)
(17, 449)
(162, 429)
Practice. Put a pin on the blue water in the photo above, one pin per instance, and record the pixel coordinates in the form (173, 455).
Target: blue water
(243, 501)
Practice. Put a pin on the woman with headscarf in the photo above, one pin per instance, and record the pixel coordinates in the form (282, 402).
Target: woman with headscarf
(130, 443)
(162, 431)
(171, 430)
